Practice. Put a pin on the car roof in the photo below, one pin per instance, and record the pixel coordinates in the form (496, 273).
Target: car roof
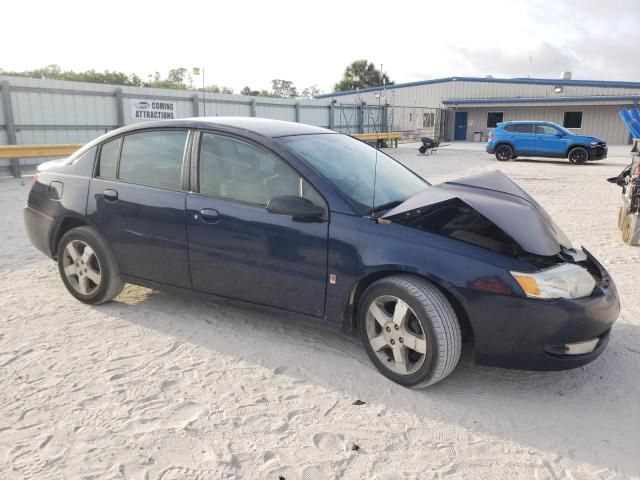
(261, 126)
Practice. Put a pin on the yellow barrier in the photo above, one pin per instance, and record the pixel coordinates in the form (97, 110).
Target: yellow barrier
(379, 138)
(38, 151)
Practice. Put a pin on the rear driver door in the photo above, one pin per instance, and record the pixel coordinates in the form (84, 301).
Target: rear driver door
(137, 201)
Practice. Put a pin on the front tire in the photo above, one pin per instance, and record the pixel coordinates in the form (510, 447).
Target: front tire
(409, 330)
(620, 217)
(578, 155)
(87, 266)
(631, 229)
(504, 153)
(422, 149)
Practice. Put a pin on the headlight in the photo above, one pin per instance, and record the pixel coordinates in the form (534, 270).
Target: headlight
(565, 281)
(594, 143)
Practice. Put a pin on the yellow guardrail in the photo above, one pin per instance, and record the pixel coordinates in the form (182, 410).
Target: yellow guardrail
(391, 137)
(38, 151)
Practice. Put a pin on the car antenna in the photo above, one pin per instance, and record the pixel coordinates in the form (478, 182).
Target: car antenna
(375, 165)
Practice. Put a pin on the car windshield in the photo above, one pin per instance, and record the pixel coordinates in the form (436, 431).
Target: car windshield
(349, 164)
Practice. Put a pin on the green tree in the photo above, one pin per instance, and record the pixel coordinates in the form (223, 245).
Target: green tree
(216, 89)
(310, 92)
(283, 88)
(361, 74)
(247, 91)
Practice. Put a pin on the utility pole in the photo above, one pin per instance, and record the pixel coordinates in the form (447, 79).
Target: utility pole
(196, 71)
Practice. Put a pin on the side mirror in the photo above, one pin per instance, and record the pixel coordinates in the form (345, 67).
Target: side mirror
(295, 206)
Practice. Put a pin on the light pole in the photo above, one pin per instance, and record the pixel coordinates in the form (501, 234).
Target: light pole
(196, 71)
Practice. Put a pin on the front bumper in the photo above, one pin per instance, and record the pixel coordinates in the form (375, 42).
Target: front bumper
(527, 334)
(598, 152)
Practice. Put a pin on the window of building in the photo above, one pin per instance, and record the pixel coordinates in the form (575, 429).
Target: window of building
(494, 118)
(428, 120)
(241, 171)
(108, 165)
(153, 158)
(520, 128)
(572, 120)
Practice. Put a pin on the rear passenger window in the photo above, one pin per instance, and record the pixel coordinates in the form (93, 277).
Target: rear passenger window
(240, 171)
(520, 128)
(153, 158)
(107, 168)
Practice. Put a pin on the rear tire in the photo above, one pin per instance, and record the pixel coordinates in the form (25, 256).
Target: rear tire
(504, 153)
(87, 266)
(578, 155)
(631, 229)
(415, 346)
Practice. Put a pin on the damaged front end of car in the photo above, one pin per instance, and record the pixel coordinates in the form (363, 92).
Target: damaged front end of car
(566, 301)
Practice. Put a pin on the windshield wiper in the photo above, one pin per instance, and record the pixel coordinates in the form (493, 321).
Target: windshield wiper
(386, 206)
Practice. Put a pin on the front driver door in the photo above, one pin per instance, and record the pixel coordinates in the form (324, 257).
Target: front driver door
(239, 250)
(551, 141)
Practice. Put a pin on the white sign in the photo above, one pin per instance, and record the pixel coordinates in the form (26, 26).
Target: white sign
(152, 109)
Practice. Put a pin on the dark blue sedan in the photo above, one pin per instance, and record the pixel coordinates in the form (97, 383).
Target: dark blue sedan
(307, 221)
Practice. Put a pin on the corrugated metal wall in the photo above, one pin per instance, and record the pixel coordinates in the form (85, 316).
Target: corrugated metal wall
(602, 121)
(52, 111)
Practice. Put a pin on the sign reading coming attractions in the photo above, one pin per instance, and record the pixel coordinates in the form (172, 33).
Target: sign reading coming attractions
(152, 109)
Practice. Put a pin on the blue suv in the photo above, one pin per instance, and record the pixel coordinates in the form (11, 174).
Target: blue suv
(543, 139)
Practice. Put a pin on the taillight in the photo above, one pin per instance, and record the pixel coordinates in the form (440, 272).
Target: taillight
(35, 177)
(490, 135)
(637, 172)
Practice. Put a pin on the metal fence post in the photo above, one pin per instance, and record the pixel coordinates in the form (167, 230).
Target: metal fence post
(253, 107)
(297, 111)
(119, 106)
(10, 125)
(196, 106)
(332, 111)
(361, 117)
(385, 118)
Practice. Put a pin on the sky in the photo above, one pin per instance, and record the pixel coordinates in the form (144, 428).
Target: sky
(242, 43)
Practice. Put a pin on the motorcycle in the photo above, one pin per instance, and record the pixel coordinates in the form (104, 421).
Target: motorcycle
(629, 212)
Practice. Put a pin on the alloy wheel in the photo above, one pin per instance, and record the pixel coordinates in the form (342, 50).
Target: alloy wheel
(504, 153)
(82, 267)
(396, 335)
(578, 155)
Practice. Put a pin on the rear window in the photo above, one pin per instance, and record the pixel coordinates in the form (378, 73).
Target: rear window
(108, 166)
(153, 158)
(520, 128)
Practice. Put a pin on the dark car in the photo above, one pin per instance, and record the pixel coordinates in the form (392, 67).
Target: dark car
(543, 139)
(303, 220)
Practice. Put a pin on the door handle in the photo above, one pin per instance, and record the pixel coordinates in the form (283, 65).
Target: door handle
(110, 195)
(209, 215)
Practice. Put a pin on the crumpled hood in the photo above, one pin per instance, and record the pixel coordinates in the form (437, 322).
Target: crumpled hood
(500, 200)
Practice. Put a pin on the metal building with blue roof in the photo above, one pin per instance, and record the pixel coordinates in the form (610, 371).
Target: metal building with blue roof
(468, 108)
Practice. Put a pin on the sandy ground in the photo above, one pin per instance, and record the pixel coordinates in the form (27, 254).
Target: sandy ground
(156, 386)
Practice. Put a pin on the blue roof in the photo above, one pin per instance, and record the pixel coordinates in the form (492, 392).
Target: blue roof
(581, 99)
(525, 81)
